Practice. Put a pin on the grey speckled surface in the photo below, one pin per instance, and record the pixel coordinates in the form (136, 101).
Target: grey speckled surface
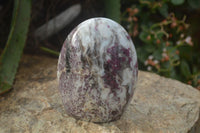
(97, 70)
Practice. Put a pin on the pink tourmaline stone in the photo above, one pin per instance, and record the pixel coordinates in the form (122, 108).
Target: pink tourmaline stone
(97, 70)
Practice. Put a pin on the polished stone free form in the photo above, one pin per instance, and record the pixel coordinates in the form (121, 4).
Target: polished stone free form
(97, 71)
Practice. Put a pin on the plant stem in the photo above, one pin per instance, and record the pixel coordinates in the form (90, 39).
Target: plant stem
(112, 9)
(50, 51)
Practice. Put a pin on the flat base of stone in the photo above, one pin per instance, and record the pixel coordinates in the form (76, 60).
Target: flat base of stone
(34, 105)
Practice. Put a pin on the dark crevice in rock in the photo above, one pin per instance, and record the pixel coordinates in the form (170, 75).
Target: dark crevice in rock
(196, 127)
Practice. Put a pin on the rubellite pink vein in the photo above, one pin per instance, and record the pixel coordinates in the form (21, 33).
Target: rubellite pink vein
(97, 70)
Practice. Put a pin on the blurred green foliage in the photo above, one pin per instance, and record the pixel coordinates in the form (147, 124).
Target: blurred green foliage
(12, 52)
(112, 9)
(163, 36)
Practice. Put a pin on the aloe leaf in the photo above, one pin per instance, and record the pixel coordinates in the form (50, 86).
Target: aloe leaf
(11, 55)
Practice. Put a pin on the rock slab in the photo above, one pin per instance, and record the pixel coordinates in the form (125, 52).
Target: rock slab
(34, 105)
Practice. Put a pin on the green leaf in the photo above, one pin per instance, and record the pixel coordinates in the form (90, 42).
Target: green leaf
(142, 54)
(157, 54)
(173, 73)
(149, 48)
(160, 36)
(166, 65)
(194, 70)
(164, 10)
(186, 52)
(185, 69)
(11, 55)
(177, 2)
(112, 9)
(143, 36)
(194, 3)
(171, 50)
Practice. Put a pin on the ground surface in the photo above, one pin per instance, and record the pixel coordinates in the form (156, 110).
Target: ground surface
(34, 105)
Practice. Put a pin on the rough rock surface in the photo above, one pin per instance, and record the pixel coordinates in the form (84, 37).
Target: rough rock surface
(34, 105)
